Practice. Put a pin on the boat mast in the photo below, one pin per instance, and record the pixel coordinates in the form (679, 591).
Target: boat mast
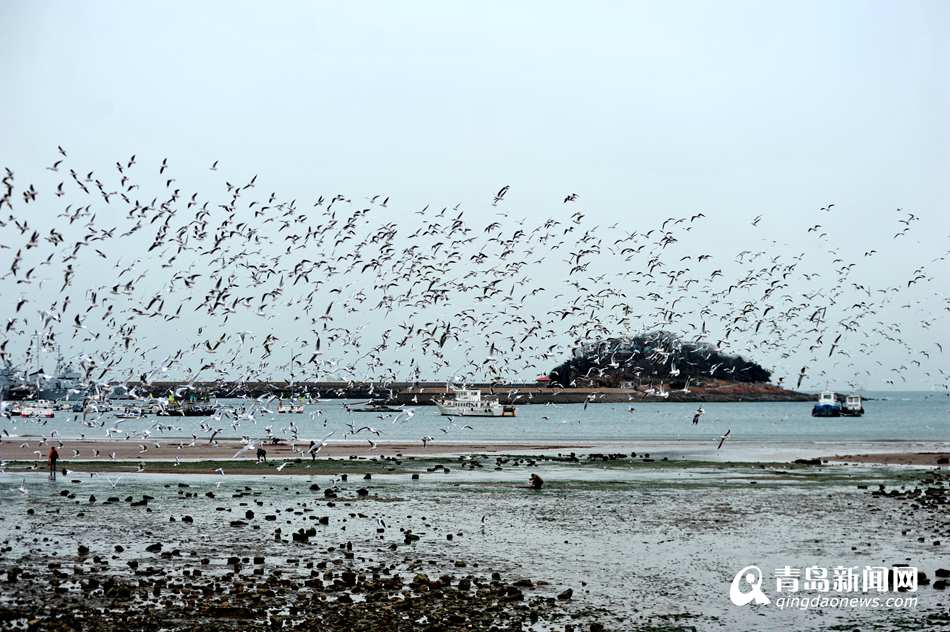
(38, 367)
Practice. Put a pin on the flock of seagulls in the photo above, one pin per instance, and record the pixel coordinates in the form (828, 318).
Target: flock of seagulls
(137, 277)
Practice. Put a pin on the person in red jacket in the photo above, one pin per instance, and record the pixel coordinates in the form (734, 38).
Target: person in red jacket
(53, 458)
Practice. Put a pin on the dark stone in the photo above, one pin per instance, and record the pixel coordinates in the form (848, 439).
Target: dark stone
(513, 594)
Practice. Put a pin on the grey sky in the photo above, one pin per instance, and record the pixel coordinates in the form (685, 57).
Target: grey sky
(647, 110)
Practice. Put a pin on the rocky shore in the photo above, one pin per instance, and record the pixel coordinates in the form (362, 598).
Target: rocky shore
(454, 543)
(253, 572)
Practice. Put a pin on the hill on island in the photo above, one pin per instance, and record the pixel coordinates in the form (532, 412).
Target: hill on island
(654, 357)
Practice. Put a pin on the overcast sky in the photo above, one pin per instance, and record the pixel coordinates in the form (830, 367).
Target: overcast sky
(647, 110)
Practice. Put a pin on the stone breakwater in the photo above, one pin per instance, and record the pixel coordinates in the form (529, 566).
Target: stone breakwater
(423, 394)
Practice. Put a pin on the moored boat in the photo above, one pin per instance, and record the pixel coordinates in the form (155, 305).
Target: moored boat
(38, 408)
(130, 413)
(827, 405)
(372, 407)
(291, 408)
(853, 406)
(469, 403)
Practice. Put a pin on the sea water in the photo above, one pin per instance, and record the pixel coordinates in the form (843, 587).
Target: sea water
(922, 417)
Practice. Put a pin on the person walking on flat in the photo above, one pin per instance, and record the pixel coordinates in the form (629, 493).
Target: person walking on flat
(53, 458)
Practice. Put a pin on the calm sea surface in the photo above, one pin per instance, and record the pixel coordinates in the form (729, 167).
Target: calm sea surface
(891, 416)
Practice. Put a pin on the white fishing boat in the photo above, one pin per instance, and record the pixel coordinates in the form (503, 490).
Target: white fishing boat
(469, 403)
(853, 406)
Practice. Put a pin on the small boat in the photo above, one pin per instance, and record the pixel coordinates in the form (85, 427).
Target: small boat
(193, 406)
(291, 408)
(827, 405)
(187, 411)
(373, 407)
(853, 406)
(469, 403)
(129, 413)
(38, 408)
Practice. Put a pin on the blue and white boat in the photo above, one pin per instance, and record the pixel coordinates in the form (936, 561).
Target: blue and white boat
(827, 406)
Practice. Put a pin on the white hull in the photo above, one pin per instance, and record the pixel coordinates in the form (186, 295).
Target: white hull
(461, 409)
(469, 403)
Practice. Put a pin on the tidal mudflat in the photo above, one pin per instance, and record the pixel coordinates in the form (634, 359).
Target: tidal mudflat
(461, 543)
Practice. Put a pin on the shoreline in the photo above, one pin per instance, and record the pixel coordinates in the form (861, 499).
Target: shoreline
(939, 459)
(234, 450)
(90, 451)
(232, 458)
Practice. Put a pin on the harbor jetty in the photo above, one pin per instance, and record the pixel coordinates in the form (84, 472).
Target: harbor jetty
(424, 393)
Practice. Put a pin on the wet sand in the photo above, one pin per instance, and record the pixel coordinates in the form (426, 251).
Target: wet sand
(169, 450)
(461, 549)
(896, 458)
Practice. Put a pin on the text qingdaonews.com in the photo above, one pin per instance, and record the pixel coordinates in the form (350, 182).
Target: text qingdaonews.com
(806, 603)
